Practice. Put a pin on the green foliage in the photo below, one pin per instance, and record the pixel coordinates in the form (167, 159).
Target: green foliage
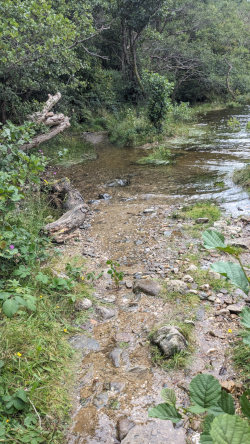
(161, 156)
(201, 209)
(242, 177)
(233, 124)
(226, 429)
(114, 273)
(159, 89)
(221, 425)
(234, 272)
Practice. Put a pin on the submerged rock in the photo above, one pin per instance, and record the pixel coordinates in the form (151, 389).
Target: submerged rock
(119, 183)
(170, 340)
(155, 432)
(147, 286)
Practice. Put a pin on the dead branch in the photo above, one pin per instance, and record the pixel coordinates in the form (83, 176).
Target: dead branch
(57, 122)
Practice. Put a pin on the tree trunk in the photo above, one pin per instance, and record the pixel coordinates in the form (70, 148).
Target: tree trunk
(67, 223)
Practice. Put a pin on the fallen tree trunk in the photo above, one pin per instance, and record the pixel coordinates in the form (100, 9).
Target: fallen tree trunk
(64, 196)
(56, 122)
(70, 220)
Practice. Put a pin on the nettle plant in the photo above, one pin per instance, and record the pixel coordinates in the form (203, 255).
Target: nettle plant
(215, 405)
(232, 271)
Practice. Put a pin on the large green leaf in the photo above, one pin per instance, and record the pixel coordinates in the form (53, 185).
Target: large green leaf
(226, 402)
(205, 390)
(205, 437)
(165, 411)
(233, 272)
(168, 395)
(245, 317)
(213, 239)
(228, 429)
(245, 403)
(10, 307)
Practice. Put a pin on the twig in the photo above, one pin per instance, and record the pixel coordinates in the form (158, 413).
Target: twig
(36, 412)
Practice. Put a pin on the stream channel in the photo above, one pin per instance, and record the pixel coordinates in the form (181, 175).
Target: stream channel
(118, 380)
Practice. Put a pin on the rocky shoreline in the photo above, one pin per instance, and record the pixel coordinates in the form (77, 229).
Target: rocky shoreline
(167, 282)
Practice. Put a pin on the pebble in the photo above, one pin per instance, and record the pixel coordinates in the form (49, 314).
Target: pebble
(236, 308)
(115, 356)
(83, 304)
(188, 278)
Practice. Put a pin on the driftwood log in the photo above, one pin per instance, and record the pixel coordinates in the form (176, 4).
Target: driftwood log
(64, 196)
(56, 122)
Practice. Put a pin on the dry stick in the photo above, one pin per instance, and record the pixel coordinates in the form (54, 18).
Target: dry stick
(36, 412)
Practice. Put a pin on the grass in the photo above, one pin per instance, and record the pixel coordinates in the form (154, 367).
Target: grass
(201, 210)
(161, 155)
(241, 359)
(35, 353)
(242, 177)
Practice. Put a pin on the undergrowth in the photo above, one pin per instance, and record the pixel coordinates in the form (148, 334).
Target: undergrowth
(242, 177)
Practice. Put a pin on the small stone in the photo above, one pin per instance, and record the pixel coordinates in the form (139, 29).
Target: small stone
(202, 220)
(203, 296)
(193, 291)
(188, 278)
(170, 340)
(104, 312)
(101, 400)
(211, 350)
(104, 196)
(148, 210)
(117, 386)
(192, 267)
(128, 284)
(124, 425)
(223, 311)
(83, 304)
(147, 286)
(223, 291)
(200, 314)
(205, 287)
(212, 298)
(115, 356)
(236, 308)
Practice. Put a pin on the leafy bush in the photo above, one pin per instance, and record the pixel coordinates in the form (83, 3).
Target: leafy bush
(221, 425)
(161, 156)
(158, 90)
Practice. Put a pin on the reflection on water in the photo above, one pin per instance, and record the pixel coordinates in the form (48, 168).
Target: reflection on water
(208, 157)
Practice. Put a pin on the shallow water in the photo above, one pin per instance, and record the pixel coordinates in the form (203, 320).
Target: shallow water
(203, 169)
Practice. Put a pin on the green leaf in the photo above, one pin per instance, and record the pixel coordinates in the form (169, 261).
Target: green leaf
(165, 411)
(245, 317)
(41, 277)
(10, 307)
(226, 402)
(205, 438)
(21, 394)
(18, 404)
(245, 403)
(168, 395)
(233, 272)
(196, 409)
(246, 340)
(205, 390)
(228, 429)
(213, 239)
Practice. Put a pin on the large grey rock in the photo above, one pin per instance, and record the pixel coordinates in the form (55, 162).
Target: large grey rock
(84, 343)
(170, 340)
(147, 286)
(177, 285)
(236, 308)
(105, 313)
(155, 432)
